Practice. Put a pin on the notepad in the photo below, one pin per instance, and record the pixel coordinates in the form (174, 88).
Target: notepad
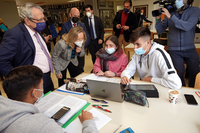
(101, 121)
(53, 102)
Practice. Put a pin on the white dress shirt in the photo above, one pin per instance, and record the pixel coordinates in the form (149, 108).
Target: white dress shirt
(93, 25)
(40, 60)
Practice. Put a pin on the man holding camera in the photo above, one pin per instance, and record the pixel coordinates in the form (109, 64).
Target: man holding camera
(182, 24)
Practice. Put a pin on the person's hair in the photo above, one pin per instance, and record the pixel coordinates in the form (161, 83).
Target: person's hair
(89, 6)
(50, 20)
(143, 32)
(25, 11)
(113, 39)
(21, 80)
(128, 1)
(72, 36)
(189, 2)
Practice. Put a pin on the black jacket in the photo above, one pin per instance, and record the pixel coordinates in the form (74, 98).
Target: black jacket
(131, 22)
(99, 28)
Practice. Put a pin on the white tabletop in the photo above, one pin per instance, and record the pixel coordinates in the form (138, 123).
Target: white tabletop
(160, 117)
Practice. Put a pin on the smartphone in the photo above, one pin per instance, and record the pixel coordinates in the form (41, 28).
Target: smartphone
(190, 99)
(60, 113)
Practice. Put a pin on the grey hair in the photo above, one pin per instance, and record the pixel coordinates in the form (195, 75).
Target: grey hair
(25, 11)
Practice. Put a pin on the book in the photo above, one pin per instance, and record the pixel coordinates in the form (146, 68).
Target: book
(3, 27)
(53, 102)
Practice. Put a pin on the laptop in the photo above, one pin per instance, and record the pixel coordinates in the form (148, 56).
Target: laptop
(197, 38)
(105, 90)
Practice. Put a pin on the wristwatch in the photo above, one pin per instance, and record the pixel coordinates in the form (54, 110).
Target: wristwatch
(115, 74)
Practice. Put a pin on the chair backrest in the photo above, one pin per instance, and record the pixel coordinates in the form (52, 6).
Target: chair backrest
(197, 81)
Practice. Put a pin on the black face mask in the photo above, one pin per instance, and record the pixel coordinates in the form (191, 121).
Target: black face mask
(75, 19)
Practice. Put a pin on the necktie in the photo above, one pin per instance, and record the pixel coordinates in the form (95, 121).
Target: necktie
(74, 24)
(45, 51)
(91, 29)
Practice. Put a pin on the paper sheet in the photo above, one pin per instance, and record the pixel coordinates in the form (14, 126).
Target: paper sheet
(114, 80)
(94, 77)
(76, 126)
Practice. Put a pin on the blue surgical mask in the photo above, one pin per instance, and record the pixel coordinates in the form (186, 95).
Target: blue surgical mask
(40, 26)
(140, 51)
(126, 10)
(110, 50)
(179, 4)
(39, 98)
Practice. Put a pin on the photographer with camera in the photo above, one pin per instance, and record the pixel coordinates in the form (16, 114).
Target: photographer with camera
(181, 23)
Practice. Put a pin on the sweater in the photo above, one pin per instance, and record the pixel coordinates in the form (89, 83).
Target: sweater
(21, 117)
(181, 31)
(115, 66)
(156, 64)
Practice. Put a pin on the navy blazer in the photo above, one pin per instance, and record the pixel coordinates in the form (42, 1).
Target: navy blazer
(68, 25)
(16, 49)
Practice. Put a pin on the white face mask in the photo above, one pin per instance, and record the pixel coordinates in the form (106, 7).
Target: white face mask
(88, 14)
(179, 4)
(39, 98)
(110, 50)
(79, 43)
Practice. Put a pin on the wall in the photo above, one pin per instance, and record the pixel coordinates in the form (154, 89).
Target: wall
(9, 13)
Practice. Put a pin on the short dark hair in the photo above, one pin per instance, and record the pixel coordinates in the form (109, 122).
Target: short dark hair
(21, 80)
(140, 32)
(89, 6)
(189, 2)
(113, 39)
(128, 1)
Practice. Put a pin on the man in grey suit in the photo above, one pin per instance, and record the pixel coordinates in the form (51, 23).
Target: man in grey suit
(95, 28)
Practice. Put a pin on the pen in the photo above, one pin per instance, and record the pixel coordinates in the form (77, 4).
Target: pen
(100, 105)
(102, 109)
(99, 100)
(117, 129)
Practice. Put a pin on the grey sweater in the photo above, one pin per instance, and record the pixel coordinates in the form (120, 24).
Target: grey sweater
(181, 31)
(20, 117)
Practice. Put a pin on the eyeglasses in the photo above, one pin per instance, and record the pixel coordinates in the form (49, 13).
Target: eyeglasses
(39, 20)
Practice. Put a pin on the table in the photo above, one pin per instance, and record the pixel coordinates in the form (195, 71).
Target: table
(160, 117)
(130, 48)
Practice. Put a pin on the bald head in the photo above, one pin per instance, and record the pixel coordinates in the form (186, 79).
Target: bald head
(74, 12)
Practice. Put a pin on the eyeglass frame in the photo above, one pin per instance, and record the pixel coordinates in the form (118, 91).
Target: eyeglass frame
(39, 20)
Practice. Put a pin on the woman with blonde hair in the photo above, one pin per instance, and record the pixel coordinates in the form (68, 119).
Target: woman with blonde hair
(65, 52)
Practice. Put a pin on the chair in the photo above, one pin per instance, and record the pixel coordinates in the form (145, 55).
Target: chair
(197, 81)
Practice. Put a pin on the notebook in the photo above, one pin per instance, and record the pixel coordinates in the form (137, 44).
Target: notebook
(197, 38)
(105, 90)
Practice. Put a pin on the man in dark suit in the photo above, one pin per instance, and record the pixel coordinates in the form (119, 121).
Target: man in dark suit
(95, 28)
(75, 15)
(124, 22)
(23, 45)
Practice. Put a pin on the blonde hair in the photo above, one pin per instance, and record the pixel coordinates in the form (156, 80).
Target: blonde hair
(72, 36)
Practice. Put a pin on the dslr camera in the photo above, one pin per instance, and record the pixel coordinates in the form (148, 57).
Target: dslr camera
(168, 4)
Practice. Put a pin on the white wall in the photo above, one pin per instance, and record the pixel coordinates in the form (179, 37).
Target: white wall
(9, 13)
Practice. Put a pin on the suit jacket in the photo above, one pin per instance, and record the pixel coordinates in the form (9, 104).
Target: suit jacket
(99, 28)
(131, 22)
(16, 49)
(61, 56)
(68, 25)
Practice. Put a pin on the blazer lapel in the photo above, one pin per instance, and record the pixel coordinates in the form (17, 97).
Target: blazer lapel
(27, 36)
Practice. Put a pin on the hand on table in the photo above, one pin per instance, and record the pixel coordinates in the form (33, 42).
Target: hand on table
(125, 80)
(147, 79)
(85, 116)
(109, 74)
(100, 73)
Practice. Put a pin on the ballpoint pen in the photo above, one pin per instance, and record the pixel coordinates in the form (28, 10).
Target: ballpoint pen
(99, 100)
(102, 109)
(100, 105)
